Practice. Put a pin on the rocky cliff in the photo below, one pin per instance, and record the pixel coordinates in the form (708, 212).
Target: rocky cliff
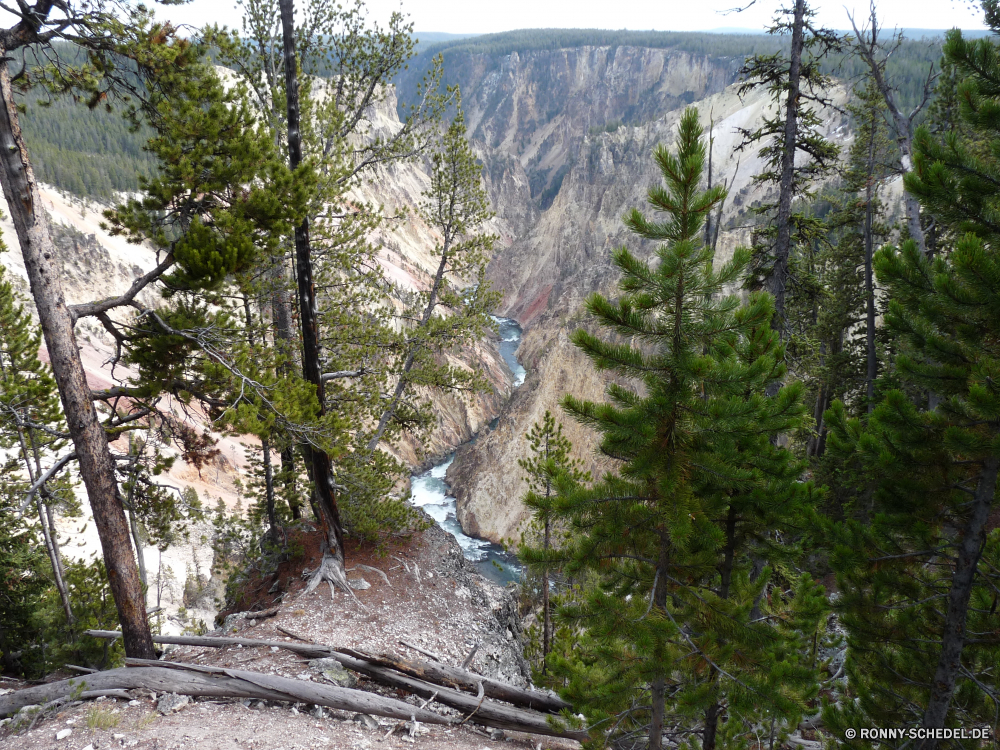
(549, 269)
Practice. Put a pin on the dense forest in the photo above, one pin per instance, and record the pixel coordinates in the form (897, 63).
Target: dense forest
(795, 537)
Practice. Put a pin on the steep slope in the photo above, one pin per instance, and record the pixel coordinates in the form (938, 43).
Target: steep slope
(96, 265)
(547, 274)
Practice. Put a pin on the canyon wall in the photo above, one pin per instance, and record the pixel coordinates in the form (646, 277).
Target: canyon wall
(547, 113)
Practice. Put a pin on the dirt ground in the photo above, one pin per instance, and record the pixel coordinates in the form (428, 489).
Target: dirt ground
(433, 600)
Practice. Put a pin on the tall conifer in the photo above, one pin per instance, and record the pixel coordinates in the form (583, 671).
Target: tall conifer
(669, 648)
(917, 566)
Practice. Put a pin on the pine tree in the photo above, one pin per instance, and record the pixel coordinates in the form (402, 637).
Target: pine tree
(31, 421)
(455, 311)
(917, 566)
(842, 341)
(550, 466)
(23, 576)
(796, 84)
(668, 643)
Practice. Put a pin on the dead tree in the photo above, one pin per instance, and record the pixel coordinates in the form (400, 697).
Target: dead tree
(875, 57)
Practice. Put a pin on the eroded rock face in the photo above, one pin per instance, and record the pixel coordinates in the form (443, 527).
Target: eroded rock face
(547, 273)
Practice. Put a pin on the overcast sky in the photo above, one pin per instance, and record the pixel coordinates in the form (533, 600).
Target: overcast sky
(486, 16)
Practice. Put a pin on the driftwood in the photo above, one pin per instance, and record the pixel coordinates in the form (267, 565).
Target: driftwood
(455, 677)
(438, 673)
(476, 708)
(195, 680)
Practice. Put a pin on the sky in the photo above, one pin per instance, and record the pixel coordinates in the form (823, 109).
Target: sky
(487, 16)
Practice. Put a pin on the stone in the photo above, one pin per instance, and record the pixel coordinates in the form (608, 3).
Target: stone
(368, 721)
(170, 703)
(231, 621)
(63, 734)
(318, 712)
(333, 672)
(89, 747)
(358, 584)
(118, 736)
(497, 734)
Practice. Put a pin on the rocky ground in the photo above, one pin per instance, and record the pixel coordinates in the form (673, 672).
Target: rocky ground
(432, 600)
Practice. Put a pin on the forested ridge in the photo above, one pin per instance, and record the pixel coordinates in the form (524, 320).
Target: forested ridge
(93, 153)
(792, 536)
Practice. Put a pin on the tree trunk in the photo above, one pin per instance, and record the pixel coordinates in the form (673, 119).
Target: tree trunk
(546, 614)
(726, 575)
(813, 447)
(970, 550)
(220, 683)
(285, 343)
(658, 687)
(905, 140)
(140, 557)
(902, 124)
(782, 246)
(436, 672)
(91, 443)
(47, 522)
(322, 469)
(708, 216)
(288, 474)
(411, 357)
(57, 570)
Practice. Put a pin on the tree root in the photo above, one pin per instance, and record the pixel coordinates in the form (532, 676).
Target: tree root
(331, 570)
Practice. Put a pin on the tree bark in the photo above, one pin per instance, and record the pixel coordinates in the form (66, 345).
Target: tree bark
(778, 279)
(970, 549)
(322, 469)
(96, 466)
(546, 613)
(140, 557)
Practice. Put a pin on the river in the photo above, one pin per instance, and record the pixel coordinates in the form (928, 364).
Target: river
(430, 491)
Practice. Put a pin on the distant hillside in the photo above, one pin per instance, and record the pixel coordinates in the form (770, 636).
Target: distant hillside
(527, 40)
(88, 152)
(92, 153)
(908, 67)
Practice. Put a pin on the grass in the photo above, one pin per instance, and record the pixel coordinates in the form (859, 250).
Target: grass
(101, 717)
(145, 721)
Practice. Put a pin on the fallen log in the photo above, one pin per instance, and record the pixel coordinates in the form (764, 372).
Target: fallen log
(194, 680)
(438, 673)
(310, 650)
(462, 679)
(478, 710)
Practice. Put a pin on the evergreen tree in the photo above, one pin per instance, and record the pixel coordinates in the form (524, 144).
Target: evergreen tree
(455, 311)
(549, 466)
(917, 568)
(23, 578)
(32, 423)
(669, 645)
(796, 82)
(840, 345)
